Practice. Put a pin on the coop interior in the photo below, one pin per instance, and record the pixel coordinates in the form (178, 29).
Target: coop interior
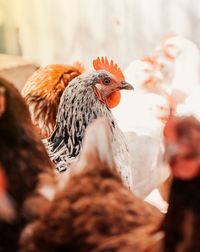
(99, 126)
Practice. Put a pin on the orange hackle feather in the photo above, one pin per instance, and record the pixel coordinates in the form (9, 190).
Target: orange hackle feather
(111, 67)
(43, 91)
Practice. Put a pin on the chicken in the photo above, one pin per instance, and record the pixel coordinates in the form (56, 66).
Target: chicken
(7, 209)
(42, 93)
(149, 109)
(185, 86)
(181, 57)
(92, 205)
(24, 161)
(186, 56)
(146, 73)
(87, 97)
(179, 229)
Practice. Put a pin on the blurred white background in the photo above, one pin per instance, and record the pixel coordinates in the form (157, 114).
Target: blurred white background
(63, 31)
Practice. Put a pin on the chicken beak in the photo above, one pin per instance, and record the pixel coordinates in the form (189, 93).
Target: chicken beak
(125, 85)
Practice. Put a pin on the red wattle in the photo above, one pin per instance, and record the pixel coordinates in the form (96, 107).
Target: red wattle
(113, 99)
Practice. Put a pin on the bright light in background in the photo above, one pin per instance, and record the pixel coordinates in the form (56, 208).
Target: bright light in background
(64, 31)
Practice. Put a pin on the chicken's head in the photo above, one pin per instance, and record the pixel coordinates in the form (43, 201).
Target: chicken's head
(109, 80)
(182, 141)
(174, 46)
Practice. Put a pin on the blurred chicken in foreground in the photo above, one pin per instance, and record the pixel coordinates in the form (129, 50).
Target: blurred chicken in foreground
(93, 204)
(25, 163)
(179, 229)
(42, 93)
(97, 213)
(7, 211)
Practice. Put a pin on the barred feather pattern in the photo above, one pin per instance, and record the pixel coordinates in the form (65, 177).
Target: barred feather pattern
(78, 108)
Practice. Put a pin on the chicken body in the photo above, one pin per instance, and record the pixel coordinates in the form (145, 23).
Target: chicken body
(79, 106)
(179, 229)
(93, 204)
(143, 125)
(97, 213)
(23, 158)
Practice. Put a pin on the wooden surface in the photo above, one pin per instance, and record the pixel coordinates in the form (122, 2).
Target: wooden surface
(16, 69)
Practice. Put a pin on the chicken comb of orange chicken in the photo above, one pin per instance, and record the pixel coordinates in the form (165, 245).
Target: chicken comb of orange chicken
(103, 63)
(153, 61)
(43, 90)
(156, 67)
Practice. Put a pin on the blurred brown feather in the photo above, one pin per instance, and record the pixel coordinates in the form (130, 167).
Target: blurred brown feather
(95, 212)
(43, 90)
(92, 205)
(25, 163)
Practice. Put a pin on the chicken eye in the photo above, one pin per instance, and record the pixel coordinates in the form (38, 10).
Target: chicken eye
(106, 81)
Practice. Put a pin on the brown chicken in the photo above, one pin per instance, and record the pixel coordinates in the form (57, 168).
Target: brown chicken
(42, 93)
(95, 212)
(179, 230)
(92, 206)
(23, 160)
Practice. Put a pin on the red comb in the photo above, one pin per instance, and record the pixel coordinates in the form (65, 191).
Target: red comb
(111, 67)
